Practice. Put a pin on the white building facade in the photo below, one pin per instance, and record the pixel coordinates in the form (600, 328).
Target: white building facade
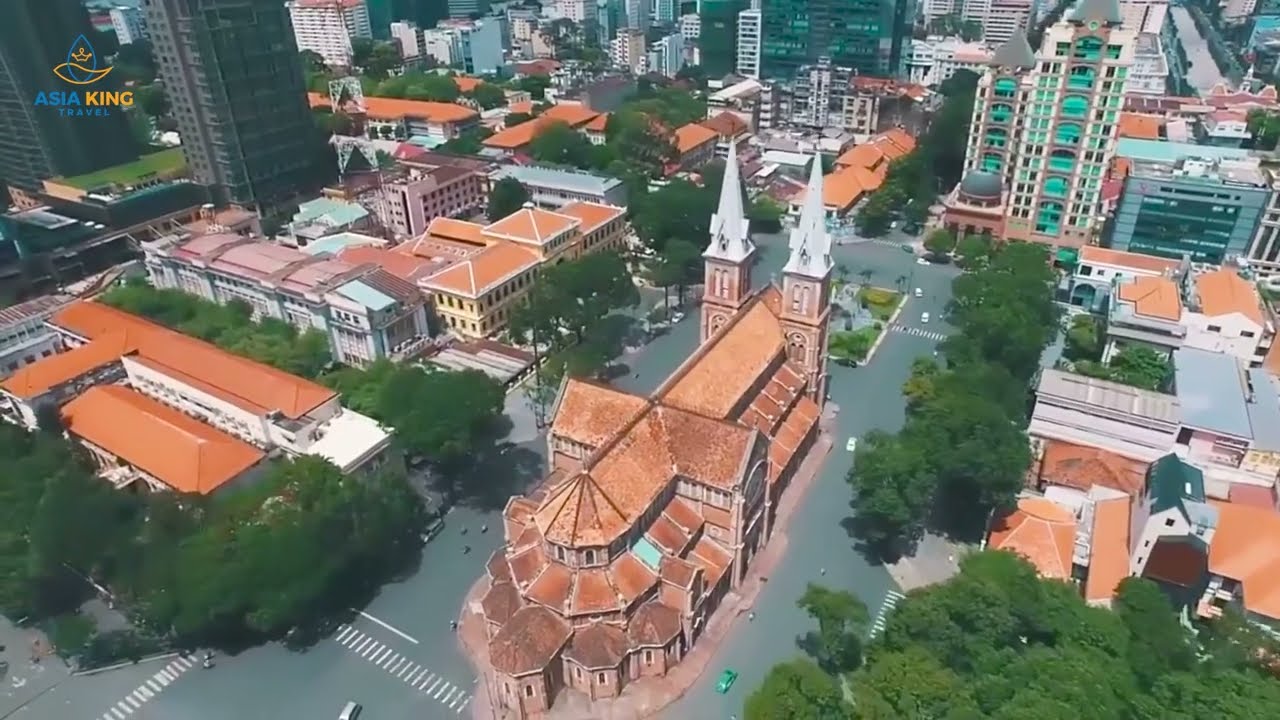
(935, 59)
(129, 23)
(1144, 16)
(326, 27)
(749, 33)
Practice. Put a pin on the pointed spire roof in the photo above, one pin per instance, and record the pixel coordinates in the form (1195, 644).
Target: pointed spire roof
(1016, 52)
(1104, 12)
(730, 231)
(810, 242)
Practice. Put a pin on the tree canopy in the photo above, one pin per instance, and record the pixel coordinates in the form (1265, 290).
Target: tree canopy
(507, 196)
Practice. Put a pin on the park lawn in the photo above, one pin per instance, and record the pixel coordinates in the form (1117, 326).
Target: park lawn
(879, 301)
(854, 344)
(144, 168)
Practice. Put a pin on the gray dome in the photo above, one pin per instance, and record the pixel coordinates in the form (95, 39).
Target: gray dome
(981, 184)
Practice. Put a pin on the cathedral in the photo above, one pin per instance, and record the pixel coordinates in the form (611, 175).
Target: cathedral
(655, 505)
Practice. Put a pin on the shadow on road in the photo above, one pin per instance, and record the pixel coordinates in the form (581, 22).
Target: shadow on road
(506, 470)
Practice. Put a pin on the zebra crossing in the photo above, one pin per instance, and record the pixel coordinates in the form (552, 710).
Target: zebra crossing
(149, 689)
(933, 335)
(403, 669)
(890, 602)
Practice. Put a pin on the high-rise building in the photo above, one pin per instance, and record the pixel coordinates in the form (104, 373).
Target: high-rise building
(326, 27)
(476, 44)
(423, 13)
(866, 35)
(999, 19)
(230, 68)
(468, 8)
(579, 11)
(718, 36)
(666, 55)
(663, 12)
(637, 14)
(1045, 125)
(129, 24)
(1144, 16)
(628, 51)
(36, 142)
(408, 37)
(749, 43)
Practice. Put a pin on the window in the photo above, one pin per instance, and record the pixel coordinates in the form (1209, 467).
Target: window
(1168, 522)
(1246, 333)
(648, 657)
(1215, 328)
(528, 691)
(600, 678)
(591, 557)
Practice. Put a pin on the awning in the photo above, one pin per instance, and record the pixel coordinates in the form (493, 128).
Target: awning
(1068, 256)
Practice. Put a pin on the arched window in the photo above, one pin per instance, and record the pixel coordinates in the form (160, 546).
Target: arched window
(1062, 160)
(1067, 133)
(1081, 78)
(1006, 88)
(991, 162)
(1088, 48)
(1001, 112)
(1049, 218)
(1056, 187)
(796, 347)
(591, 557)
(996, 137)
(1076, 106)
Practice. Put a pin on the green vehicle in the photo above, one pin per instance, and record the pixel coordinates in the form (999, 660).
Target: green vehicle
(906, 247)
(727, 678)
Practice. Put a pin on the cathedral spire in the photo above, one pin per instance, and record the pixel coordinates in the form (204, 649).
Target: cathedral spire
(730, 232)
(810, 242)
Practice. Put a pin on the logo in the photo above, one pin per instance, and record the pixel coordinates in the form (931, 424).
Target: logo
(81, 68)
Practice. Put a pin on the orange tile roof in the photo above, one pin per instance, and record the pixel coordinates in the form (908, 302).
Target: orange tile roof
(249, 384)
(1108, 550)
(1137, 125)
(48, 373)
(1041, 531)
(514, 138)
(573, 114)
(532, 225)
(1244, 549)
(579, 512)
(693, 136)
(460, 230)
(1092, 254)
(725, 368)
(901, 138)
(1223, 292)
(467, 84)
(865, 155)
(402, 265)
(1156, 297)
(395, 109)
(598, 123)
(727, 125)
(1082, 467)
(592, 215)
(178, 450)
(591, 414)
(842, 188)
(473, 276)
(525, 107)
(529, 641)
(712, 558)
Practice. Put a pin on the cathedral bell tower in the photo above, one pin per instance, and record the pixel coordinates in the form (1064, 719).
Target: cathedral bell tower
(727, 260)
(806, 288)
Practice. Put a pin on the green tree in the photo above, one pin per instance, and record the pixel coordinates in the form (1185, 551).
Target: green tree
(470, 142)
(443, 416)
(973, 251)
(797, 690)
(940, 242)
(766, 214)
(1157, 643)
(559, 144)
(488, 96)
(911, 683)
(516, 118)
(644, 144)
(153, 100)
(134, 62)
(535, 85)
(1084, 340)
(1264, 126)
(1142, 367)
(893, 485)
(920, 385)
(507, 196)
(876, 214)
(842, 620)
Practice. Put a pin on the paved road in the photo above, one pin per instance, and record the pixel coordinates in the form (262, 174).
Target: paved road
(413, 669)
(1202, 71)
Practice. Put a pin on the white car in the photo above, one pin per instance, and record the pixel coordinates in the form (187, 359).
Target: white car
(919, 292)
(921, 261)
(924, 318)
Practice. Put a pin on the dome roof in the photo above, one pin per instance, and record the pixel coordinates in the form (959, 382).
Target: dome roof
(981, 184)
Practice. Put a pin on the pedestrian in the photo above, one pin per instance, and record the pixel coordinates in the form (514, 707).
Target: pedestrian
(822, 571)
(484, 529)
(751, 616)
(466, 549)
(453, 624)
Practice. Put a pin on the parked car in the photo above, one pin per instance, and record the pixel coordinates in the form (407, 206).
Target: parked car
(726, 681)
(924, 318)
(919, 292)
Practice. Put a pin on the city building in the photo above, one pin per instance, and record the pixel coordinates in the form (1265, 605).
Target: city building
(442, 45)
(748, 64)
(579, 11)
(1099, 269)
(408, 38)
(1144, 16)
(664, 11)
(690, 26)
(480, 272)
(324, 216)
(718, 35)
(865, 36)
(695, 147)
(1000, 19)
(417, 191)
(627, 51)
(754, 102)
(553, 188)
(422, 13)
(858, 173)
(1225, 128)
(516, 139)
(636, 13)
(326, 27)
(613, 569)
(731, 131)
(432, 123)
(1208, 210)
(666, 55)
(1150, 72)
(366, 313)
(1046, 125)
(475, 44)
(230, 69)
(129, 24)
(39, 142)
(24, 337)
(463, 9)
(935, 59)
(828, 96)
(160, 411)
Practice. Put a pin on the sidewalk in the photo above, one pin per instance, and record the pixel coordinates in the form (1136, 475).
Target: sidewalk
(646, 697)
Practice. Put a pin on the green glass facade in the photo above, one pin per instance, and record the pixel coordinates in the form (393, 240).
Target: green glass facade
(718, 39)
(1171, 216)
(37, 143)
(866, 35)
(423, 13)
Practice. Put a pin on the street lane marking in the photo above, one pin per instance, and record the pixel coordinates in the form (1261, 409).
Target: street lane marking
(145, 692)
(372, 650)
(408, 669)
(362, 645)
(435, 685)
(346, 632)
(441, 690)
(418, 677)
(119, 715)
(385, 652)
(430, 677)
(124, 708)
(448, 696)
(390, 627)
(387, 665)
(131, 702)
(164, 679)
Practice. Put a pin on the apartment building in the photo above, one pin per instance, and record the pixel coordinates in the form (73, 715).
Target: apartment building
(1150, 72)
(1144, 16)
(161, 411)
(553, 188)
(627, 51)
(666, 56)
(366, 313)
(936, 59)
(129, 23)
(1000, 19)
(749, 34)
(326, 27)
(756, 103)
(476, 45)
(24, 337)
(415, 192)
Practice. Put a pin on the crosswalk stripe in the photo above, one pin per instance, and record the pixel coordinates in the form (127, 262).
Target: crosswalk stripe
(435, 685)
(390, 661)
(347, 630)
(362, 645)
(448, 696)
(137, 695)
(440, 692)
(133, 704)
(119, 715)
(430, 677)
(372, 650)
(146, 692)
(154, 685)
(353, 638)
(163, 679)
(414, 680)
(381, 654)
(407, 669)
(462, 705)
(124, 708)
(186, 662)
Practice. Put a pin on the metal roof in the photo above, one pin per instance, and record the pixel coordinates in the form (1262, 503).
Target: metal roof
(1211, 390)
(1264, 411)
(570, 180)
(366, 295)
(1107, 394)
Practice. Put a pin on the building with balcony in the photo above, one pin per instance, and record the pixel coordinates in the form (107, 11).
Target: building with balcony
(936, 59)
(553, 188)
(436, 121)
(162, 411)
(24, 336)
(754, 102)
(326, 27)
(417, 191)
(366, 313)
(1150, 73)
(695, 146)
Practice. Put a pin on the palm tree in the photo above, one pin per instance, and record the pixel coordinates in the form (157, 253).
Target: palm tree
(842, 272)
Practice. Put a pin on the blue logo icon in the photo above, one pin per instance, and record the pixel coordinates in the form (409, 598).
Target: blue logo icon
(81, 67)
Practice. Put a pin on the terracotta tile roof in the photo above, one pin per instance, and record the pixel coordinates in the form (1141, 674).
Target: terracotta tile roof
(592, 593)
(467, 84)
(680, 512)
(693, 136)
(592, 215)
(653, 625)
(578, 512)
(1223, 292)
(771, 405)
(1156, 297)
(709, 451)
(712, 558)
(402, 265)
(394, 109)
(725, 367)
(537, 67)
(631, 577)
(459, 230)
(597, 123)
(514, 138)
(552, 587)
(1093, 255)
(844, 187)
(532, 225)
(525, 107)
(1142, 127)
(520, 509)
(1041, 531)
(727, 125)
(33, 380)
(497, 567)
(249, 384)
(528, 642)
(865, 155)
(183, 453)
(501, 602)
(572, 113)
(900, 138)
(1244, 549)
(716, 516)
(678, 572)
(1253, 496)
(527, 565)
(1109, 549)
(476, 275)
(668, 536)
(786, 444)
(1082, 467)
(598, 647)
(1176, 563)
(590, 413)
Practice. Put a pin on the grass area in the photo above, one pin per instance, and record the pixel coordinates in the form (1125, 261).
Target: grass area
(879, 301)
(852, 346)
(165, 162)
